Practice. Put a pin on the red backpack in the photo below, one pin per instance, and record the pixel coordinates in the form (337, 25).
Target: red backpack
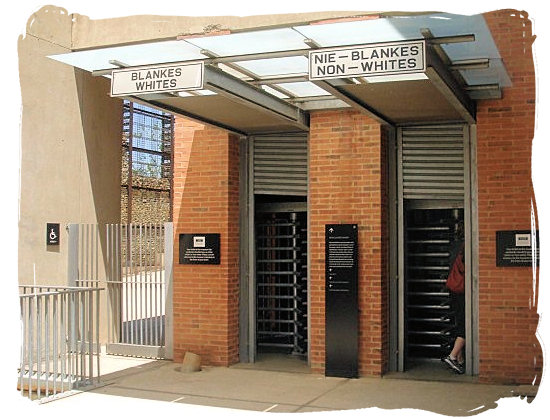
(455, 281)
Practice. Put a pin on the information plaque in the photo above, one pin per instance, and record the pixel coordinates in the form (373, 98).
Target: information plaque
(517, 248)
(199, 248)
(341, 307)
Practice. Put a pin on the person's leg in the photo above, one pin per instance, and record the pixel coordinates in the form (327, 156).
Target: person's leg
(456, 352)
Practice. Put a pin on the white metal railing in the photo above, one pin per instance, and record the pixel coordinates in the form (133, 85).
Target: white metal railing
(59, 339)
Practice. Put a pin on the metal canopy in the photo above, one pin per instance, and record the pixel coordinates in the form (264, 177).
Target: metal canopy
(257, 81)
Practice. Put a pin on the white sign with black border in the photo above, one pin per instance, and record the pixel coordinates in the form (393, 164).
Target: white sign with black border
(368, 60)
(156, 79)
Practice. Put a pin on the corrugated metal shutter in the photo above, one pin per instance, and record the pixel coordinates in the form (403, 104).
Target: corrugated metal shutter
(432, 162)
(280, 165)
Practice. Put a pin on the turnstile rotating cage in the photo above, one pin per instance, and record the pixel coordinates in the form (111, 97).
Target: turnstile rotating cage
(429, 250)
(281, 282)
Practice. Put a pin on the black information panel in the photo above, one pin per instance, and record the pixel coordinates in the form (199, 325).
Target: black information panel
(515, 248)
(341, 304)
(52, 233)
(199, 248)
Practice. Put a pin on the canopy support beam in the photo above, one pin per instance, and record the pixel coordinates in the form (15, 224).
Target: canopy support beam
(235, 89)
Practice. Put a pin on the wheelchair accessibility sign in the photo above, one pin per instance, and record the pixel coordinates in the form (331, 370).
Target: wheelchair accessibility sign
(52, 234)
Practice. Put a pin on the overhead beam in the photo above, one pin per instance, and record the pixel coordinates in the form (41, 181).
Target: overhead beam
(335, 88)
(489, 91)
(240, 91)
(448, 86)
(253, 76)
(482, 63)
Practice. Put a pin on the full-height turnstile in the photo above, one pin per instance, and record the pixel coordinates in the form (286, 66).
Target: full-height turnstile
(430, 248)
(281, 282)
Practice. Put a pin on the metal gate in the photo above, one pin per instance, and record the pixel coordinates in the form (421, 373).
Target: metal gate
(281, 282)
(135, 263)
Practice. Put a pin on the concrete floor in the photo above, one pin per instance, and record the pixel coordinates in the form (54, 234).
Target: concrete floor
(280, 385)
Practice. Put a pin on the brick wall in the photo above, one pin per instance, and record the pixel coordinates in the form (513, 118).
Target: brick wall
(206, 200)
(348, 185)
(509, 350)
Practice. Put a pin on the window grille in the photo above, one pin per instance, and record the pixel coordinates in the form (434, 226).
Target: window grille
(152, 132)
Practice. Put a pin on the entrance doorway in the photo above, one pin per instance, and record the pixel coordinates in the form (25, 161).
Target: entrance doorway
(275, 331)
(432, 240)
(281, 280)
(434, 213)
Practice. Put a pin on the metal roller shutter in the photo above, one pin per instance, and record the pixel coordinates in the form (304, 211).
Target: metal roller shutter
(432, 162)
(280, 165)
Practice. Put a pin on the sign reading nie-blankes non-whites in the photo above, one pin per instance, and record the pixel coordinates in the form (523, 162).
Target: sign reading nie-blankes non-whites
(155, 79)
(368, 60)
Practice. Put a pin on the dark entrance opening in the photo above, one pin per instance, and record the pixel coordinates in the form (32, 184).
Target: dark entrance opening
(431, 245)
(281, 275)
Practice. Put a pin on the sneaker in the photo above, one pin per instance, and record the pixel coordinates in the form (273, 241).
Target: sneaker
(453, 364)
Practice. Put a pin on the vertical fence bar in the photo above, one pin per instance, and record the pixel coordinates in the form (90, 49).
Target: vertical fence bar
(163, 293)
(109, 274)
(150, 270)
(167, 282)
(118, 277)
(22, 341)
(63, 343)
(73, 346)
(82, 335)
(97, 332)
(30, 342)
(155, 288)
(73, 261)
(90, 337)
(132, 283)
(55, 345)
(47, 342)
(139, 299)
(126, 261)
(96, 278)
(38, 343)
(152, 315)
(143, 299)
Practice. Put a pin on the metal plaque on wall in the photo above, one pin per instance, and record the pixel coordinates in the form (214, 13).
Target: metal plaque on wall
(199, 248)
(341, 303)
(517, 248)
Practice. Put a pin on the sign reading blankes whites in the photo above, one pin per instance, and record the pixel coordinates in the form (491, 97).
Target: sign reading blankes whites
(157, 79)
(368, 60)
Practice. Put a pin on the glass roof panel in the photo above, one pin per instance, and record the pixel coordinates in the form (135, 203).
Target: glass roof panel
(496, 73)
(274, 92)
(252, 42)
(303, 89)
(277, 66)
(395, 28)
(133, 55)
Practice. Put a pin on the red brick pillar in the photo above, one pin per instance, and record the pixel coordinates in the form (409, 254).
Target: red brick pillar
(206, 200)
(347, 170)
(509, 351)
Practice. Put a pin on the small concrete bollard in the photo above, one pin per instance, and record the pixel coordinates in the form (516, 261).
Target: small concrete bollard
(191, 363)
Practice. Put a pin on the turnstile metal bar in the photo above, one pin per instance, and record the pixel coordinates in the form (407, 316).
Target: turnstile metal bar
(276, 272)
